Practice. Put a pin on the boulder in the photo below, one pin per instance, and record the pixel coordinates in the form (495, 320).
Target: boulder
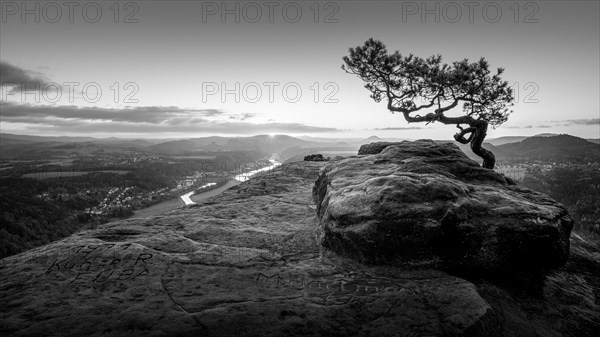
(315, 157)
(374, 148)
(426, 204)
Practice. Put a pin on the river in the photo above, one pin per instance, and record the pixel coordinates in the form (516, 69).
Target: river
(191, 198)
(245, 176)
(186, 197)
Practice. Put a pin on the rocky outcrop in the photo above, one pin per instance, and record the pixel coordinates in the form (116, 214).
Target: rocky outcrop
(315, 157)
(427, 204)
(247, 263)
(374, 148)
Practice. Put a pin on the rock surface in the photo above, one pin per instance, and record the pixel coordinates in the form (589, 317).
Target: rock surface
(427, 204)
(247, 263)
(315, 157)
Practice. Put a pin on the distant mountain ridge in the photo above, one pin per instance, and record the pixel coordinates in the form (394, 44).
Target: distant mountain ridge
(515, 139)
(265, 143)
(546, 148)
(543, 147)
(69, 139)
(38, 147)
(553, 148)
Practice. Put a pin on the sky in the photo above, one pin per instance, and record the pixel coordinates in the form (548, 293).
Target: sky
(165, 69)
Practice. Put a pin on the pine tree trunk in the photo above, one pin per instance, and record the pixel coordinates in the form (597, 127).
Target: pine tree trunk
(489, 160)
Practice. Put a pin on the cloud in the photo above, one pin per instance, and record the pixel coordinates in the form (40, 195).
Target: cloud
(239, 128)
(524, 126)
(587, 121)
(24, 79)
(139, 120)
(399, 128)
(243, 116)
(148, 114)
(557, 123)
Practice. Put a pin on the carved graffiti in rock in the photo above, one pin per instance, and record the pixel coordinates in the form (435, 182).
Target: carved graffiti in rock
(101, 263)
(331, 291)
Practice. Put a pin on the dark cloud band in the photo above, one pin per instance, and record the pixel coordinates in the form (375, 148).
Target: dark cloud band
(13, 75)
(149, 119)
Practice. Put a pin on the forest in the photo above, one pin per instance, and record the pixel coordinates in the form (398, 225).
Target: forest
(577, 187)
(34, 212)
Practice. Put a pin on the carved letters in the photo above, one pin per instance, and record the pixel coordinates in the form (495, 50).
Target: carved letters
(110, 262)
(330, 291)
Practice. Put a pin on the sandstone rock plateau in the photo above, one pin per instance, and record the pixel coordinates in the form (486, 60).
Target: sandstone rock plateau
(249, 262)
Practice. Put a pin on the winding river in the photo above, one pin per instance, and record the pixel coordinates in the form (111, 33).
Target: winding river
(245, 176)
(191, 198)
(186, 197)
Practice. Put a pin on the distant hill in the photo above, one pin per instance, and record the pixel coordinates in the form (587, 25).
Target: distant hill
(557, 148)
(190, 145)
(505, 140)
(561, 148)
(545, 135)
(542, 147)
(374, 139)
(515, 139)
(27, 147)
(35, 139)
(65, 139)
(263, 143)
(325, 139)
(22, 147)
(34, 150)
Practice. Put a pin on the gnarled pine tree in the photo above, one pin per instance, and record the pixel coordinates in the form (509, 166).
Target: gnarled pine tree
(411, 84)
